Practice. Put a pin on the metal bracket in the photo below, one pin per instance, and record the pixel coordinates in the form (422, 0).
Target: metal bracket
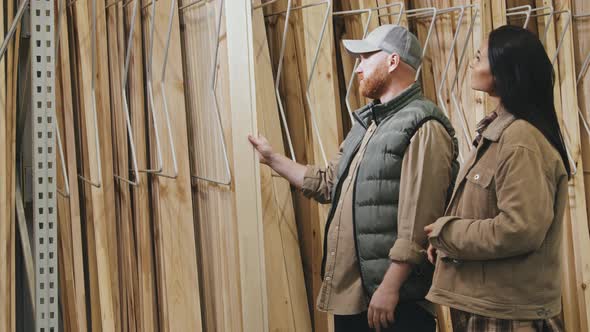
(441, 101)
(328, 4)
(581, 74)
(160, 168)
(278, 75)
(126, 103)
(454, 84)
(212, 91)
(551, 14)
(515, 11)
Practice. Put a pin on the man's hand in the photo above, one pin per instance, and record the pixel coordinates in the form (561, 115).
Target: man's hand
(385, 299)
(382, 307)
(263, 147)
(285, 167)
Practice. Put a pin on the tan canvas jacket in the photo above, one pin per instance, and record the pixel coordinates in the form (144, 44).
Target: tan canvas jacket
(499, 244)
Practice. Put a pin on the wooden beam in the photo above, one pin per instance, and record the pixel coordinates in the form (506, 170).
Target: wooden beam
(246, 182)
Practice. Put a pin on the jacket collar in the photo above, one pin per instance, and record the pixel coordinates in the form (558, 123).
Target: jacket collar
(378, 112)
(495, 129)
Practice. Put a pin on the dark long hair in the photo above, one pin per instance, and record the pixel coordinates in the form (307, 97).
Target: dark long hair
(524, 79)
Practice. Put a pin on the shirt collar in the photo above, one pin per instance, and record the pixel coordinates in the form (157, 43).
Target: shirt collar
(378, 111)
(495, 129)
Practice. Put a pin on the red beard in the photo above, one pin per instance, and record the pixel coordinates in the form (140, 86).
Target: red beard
(372, 86)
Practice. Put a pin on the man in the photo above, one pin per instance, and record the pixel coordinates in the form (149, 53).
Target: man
(390, 179)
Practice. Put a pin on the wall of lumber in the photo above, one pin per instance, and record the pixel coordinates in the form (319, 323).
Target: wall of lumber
(170, 223)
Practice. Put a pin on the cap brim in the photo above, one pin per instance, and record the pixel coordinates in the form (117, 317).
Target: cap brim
(357, 47)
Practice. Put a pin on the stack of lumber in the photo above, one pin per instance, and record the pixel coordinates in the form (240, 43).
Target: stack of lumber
(128, 252)
(201, 237)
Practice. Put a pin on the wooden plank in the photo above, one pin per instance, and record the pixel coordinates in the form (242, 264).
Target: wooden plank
(571, 310)
(68, 140)
(582, 50)
(217, 242)
(146, 292)
(180, 308)
(102, 306)
(571, 131)
(106, 150)
(287, 300)
(298, 55)
(6, 317)
(7, 170)
(247, 181)
(125, 238)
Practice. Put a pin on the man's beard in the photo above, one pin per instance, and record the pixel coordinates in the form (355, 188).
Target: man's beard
(372, 86)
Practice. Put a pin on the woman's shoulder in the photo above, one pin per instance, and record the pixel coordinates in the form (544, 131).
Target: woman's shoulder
(523, 136)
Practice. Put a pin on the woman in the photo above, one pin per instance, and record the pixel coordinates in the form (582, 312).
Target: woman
(498, 247)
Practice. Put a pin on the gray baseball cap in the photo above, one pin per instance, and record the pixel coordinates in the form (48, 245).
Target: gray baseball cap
(389, 38)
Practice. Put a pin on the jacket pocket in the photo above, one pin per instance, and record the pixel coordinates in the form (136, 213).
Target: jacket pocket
(480, 177)
(479, 196)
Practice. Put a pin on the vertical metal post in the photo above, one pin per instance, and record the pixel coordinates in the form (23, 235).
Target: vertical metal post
(44, 165)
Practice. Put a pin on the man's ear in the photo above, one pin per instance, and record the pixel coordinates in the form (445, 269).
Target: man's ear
(393, 61)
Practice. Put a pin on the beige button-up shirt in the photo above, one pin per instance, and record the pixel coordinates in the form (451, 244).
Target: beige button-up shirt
(425, 180)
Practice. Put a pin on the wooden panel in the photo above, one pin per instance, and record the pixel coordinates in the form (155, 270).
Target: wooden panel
(101, 291)
(69, 208)
(178, 285)
(103, 98)
(7, 238)
(217, 241)
(571, 131)
(145, 295)
(247, 180)
(292, 89)
(581, 28)
(287, 301)
(121, 165)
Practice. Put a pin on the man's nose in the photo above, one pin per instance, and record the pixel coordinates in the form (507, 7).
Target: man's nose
(359, 68)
